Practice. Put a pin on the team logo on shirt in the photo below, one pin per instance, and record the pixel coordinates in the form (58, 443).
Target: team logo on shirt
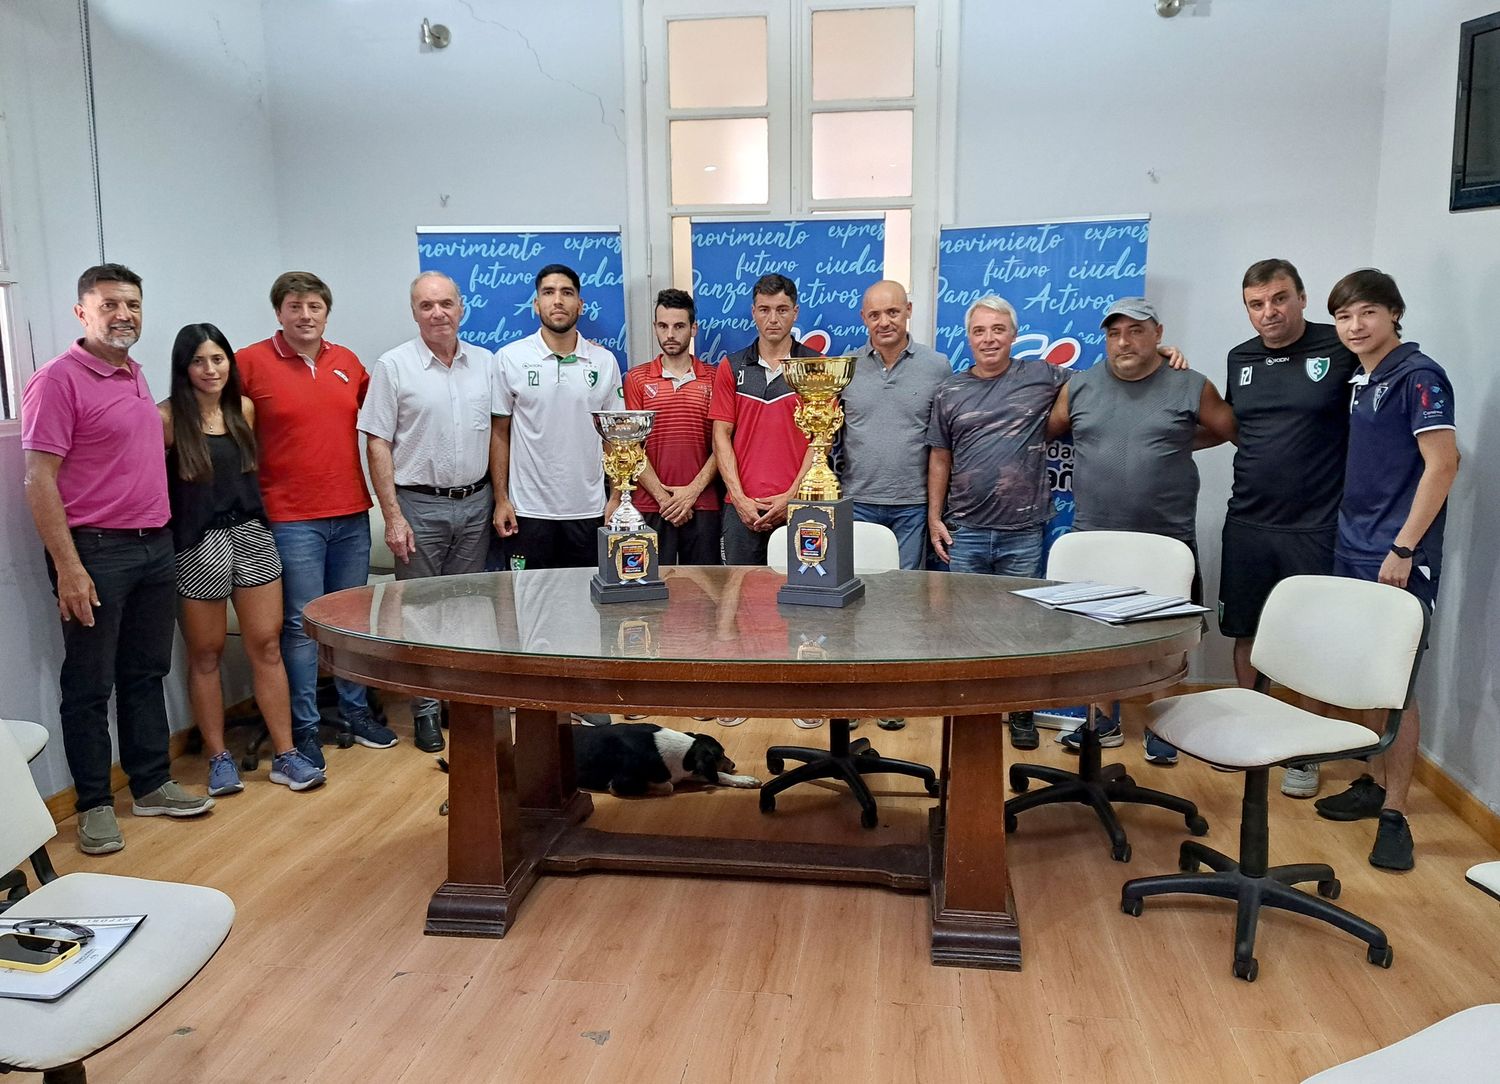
(1317, 368)
(593, 377)
(1245, 374)
(1380, 393)
(650, 391)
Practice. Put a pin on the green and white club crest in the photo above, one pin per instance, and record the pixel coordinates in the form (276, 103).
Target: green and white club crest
(1317, 368)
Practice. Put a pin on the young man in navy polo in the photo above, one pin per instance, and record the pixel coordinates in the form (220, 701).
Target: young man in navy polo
(1403, 456)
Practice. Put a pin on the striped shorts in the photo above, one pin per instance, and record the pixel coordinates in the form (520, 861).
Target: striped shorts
(240, 556)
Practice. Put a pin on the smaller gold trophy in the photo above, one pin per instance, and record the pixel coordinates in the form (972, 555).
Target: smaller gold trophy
(820, 524)
(627, 547)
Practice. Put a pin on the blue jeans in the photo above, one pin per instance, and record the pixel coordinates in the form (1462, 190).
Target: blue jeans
(907, 521)
(317, 556)
(996, 553)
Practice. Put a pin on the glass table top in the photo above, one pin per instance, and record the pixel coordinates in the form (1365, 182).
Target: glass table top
(724, 614)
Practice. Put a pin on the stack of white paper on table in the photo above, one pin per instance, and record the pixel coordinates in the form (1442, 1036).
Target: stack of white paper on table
(1113, 604)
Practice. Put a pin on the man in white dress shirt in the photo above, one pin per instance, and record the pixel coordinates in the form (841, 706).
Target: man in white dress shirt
(429, 422)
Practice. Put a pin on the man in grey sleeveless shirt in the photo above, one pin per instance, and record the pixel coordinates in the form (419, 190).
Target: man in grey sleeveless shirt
(1135, 424)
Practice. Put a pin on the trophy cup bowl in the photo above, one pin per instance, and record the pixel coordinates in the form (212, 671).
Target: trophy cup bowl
(817, 382)
(624, 433)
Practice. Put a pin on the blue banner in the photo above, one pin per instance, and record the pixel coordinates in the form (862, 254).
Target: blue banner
(496, 270)
(832, 261)
(1061, 277)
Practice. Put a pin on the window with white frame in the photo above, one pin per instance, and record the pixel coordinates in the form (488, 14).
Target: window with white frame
(791, 108)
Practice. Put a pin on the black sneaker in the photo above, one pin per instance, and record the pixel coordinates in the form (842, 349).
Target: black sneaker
(1023, 730)
(369, 733)
(1364, 798)
(1392, 842)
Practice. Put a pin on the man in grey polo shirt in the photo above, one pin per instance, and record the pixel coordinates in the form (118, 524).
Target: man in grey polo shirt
(887, 406)
(1135, 422)
(429, 420)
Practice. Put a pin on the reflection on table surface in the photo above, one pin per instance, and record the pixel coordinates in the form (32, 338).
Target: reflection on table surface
(724, 614)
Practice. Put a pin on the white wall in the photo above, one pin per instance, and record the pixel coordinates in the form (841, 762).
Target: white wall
(185, 164)
(1249, 132)
(519, 121)
(1448, 268)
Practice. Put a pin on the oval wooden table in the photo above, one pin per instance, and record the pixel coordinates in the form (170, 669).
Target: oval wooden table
(918, 644)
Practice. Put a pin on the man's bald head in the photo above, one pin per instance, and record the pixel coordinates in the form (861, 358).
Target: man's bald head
(886, 312)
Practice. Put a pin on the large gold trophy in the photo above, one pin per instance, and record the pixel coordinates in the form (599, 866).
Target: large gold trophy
(628, 569)
(820, 524)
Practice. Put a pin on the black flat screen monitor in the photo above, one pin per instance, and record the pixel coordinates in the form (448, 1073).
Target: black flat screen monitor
(1476, 129)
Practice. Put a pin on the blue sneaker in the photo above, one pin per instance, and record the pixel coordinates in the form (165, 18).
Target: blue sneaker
(311, 748)
(1106, 726)
(1159, 752)
(223, 776)
(368, 732)
(292, 769)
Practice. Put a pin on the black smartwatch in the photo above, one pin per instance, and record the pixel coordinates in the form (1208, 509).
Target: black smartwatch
(1401, 552)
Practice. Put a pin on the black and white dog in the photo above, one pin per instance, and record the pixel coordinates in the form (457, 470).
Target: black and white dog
(633, 759)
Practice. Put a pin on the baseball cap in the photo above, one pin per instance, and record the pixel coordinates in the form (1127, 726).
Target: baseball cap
(1137, 308)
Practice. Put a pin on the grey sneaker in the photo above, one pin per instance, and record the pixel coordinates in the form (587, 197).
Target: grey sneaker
(99, 832)
(170, 800)
(1300, 782)
(223, 776)
(294, 770)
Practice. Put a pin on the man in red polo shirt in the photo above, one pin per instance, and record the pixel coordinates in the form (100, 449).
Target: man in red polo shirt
(677, 496)
(307, 394)
(96, 483)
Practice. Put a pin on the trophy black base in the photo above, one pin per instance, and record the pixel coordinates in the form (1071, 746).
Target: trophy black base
(820, 555)
(627, 568)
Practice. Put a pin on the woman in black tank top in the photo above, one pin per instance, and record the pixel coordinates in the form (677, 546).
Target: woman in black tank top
(224, 550)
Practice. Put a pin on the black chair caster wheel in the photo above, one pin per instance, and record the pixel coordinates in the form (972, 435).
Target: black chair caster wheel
(249, 763)
(1010, 822)
(1120, 853)
(860, 747)
(869, 818)
(1018, 782)
(767, 802)
(1329, 890)
(1187, 865)
(1246, 969)
(1383, 956)
(1197, 825)
(775, 765)
(934, 788)
(1132, 907)
(345, 740)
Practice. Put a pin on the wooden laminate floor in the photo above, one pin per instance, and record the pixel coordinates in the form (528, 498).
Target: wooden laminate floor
(327, 977)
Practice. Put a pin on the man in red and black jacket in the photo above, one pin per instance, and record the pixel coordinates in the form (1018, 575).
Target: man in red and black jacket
(761, 453)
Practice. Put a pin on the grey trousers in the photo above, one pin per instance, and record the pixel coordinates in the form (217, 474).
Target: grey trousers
(452, 538)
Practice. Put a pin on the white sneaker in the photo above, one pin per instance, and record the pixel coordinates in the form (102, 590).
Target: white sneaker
(729, 720)
(1300, 782)
(808, 724)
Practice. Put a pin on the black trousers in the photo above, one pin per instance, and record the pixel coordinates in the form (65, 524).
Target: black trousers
(128, 651)
(696, 542)
(553, 543)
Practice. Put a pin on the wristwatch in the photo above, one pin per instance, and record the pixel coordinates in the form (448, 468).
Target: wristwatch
(1401, 552)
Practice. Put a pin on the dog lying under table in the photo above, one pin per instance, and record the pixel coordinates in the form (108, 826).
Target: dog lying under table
(637, 759)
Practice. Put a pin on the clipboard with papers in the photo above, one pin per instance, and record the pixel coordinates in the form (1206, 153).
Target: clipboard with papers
(110, 932)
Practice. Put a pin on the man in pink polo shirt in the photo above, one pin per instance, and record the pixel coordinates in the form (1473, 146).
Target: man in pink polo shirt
(96, 482)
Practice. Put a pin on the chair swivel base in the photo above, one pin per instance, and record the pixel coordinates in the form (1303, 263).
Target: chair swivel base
(1098, 787)
(1254, 885)
(843, 759)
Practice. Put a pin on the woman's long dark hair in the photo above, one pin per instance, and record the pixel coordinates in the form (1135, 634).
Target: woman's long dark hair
(193, 461)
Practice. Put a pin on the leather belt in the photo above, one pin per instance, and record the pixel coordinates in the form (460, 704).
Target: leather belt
(453, 493)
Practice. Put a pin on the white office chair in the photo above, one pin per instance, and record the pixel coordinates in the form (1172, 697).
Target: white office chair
(1350, 643)
(31, 739)
(184, 927)
(875, 551)
(1162, 566)
(382, 560)
(1464, 1046)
